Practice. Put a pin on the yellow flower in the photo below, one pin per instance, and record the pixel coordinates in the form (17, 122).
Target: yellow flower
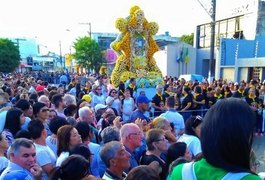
(133, 9)
(121, 24)
(153, 28)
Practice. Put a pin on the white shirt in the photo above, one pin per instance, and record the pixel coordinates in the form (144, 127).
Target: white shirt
(193, 143)
(61, 158)
(174, 117)
(44, 156)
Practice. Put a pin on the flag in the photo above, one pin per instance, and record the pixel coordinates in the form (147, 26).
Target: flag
(187, 58)
(180, 55)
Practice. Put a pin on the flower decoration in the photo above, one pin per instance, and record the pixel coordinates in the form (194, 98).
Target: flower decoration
(121, 24)
(133, 9)
(135, 48)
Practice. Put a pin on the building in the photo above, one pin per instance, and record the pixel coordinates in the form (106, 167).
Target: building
(33, 59)
(239, 43)
(174, 58)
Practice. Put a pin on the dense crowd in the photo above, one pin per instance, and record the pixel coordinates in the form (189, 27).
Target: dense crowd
(78, 126)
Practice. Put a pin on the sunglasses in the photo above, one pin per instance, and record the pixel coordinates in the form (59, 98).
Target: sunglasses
(198, 120)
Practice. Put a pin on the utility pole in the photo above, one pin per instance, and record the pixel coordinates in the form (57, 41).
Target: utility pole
(18, 40)
(61, 60)
(87, 23)
(211, 13)
(211, 60)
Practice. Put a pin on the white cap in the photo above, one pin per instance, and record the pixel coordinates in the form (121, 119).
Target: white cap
(100, 106)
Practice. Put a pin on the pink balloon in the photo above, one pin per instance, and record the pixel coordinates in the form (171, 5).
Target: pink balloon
(111, 56)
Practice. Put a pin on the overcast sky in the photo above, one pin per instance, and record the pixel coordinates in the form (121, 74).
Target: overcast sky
(47, 20)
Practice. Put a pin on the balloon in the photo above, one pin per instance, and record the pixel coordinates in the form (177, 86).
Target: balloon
(110, 56)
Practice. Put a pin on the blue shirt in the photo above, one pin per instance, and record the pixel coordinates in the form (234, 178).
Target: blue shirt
(138, 114)
(14, 167)
(132, 160)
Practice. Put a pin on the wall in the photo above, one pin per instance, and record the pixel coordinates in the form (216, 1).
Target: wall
(228, 74)
(202, 66)
(243, 74)
(161, 61)
(167, 59)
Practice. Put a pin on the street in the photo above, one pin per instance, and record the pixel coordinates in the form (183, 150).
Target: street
(259, 147)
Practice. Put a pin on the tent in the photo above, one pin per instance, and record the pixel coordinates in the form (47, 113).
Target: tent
(192, 77)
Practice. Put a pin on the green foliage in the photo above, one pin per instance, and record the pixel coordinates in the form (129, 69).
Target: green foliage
(9, 56)
(88, 53)
(187, 38)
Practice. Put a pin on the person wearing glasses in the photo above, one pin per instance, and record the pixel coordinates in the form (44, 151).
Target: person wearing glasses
(156, 144)
(131, 138)
(41, 112)
(226, 140)
(192, 135)
(113, 100)
(98, 97)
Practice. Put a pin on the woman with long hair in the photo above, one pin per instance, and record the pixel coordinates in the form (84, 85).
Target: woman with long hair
(192, 135)
(226, 140)
(74, 167)
(99, 97)
(14, 119)
(113, 100)
(67, 137)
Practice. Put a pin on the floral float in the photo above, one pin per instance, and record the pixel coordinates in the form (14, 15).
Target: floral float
(135, 48)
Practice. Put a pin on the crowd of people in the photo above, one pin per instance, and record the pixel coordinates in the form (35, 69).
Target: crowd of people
(81, 127)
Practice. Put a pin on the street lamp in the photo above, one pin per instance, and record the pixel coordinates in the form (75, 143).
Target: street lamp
(87, 23)
(211, 13)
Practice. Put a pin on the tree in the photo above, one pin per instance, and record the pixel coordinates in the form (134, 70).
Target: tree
(88, 53)
(187, 38)
(9, 56)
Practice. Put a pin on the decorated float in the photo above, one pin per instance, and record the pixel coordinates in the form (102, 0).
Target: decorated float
(135, 48)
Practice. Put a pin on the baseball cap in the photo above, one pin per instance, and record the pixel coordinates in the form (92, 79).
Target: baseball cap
(142, 99)
(39, 88)
(87, 98)
(17, 175)
(100, 106)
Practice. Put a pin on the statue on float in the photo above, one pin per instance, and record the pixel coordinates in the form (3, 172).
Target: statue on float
(135, 48)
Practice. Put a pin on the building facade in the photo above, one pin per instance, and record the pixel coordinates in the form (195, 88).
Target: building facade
(239, 43)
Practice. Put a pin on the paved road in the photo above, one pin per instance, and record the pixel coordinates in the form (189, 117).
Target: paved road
(259, 147)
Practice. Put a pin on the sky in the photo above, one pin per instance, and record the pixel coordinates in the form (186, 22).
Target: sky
(51, 21)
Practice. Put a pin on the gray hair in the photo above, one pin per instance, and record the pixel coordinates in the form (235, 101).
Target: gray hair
(109, 151)
(83, 110)
(126, 129)
(110, 134)
(42, 97)
(20, 142)
(69, 99)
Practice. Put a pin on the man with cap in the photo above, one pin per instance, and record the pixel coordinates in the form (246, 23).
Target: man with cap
(142, 106)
